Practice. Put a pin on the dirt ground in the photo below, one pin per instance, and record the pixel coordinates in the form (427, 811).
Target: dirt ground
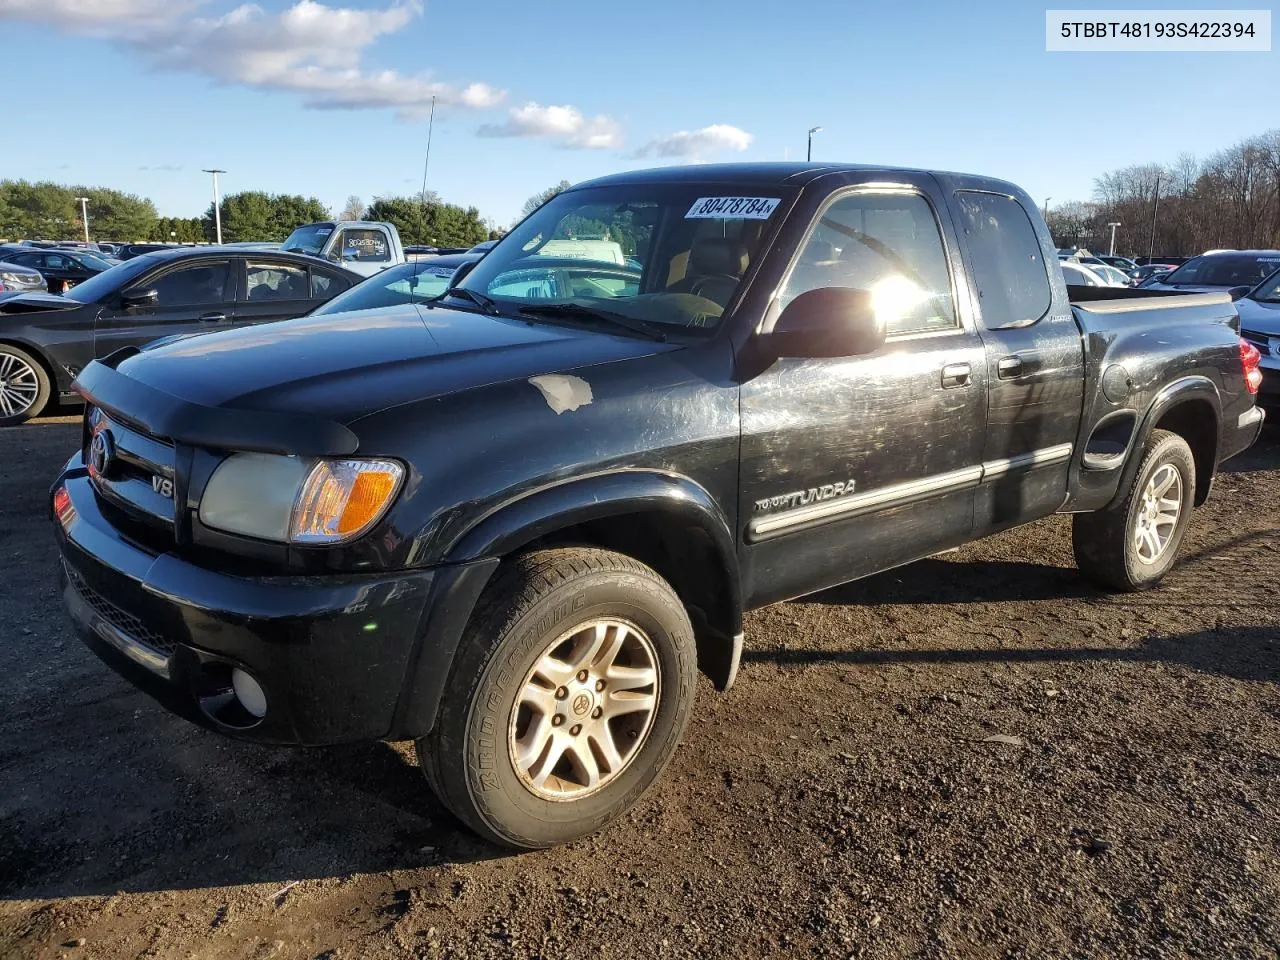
(846, 799)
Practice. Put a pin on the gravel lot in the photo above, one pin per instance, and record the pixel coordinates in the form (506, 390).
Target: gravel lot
(847, 798)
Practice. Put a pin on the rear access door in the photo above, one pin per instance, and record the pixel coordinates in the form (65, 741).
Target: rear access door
(1034, 359)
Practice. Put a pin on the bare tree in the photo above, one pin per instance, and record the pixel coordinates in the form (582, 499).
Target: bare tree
(354, 210)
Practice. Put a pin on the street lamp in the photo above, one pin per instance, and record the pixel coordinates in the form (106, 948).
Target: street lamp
(1045, 211)
(1113, 226)
(84, 216)
(812, 131)
(217, 202)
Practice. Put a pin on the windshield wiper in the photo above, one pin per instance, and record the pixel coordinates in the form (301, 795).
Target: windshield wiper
(479, 299)
(578, 310)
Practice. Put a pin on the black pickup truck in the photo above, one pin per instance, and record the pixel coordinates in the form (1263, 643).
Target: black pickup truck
(514, 522)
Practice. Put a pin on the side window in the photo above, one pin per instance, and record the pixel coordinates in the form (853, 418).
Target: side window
(1008, 268)
(888, 244)
(33, 260)
(54, 261)
(325, 285)
(367, 246)
(199, 283)
(275, 281)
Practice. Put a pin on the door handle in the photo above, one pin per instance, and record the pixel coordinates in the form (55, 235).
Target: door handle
(212, 318)
(1011, 368)
(956, 375)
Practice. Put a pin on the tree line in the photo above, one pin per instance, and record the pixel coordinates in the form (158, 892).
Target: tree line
(1229, 200)
(51, 211)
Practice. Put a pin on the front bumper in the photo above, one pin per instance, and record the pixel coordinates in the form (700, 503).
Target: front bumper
(332, 654)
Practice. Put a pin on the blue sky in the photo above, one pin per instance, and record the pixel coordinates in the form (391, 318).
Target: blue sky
(328, 98)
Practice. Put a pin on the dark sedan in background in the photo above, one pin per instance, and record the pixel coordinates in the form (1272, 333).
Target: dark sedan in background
(46, 340)
(1222, 270)
(61, 269)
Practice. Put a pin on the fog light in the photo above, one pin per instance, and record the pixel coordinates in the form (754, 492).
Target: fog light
(249, 693)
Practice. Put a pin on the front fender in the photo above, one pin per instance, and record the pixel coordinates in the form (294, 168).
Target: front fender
(593, 497)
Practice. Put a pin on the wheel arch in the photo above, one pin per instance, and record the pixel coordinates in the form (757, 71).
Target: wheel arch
(1192, 408)
(664, 520)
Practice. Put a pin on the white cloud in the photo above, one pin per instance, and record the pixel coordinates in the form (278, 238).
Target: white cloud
(310, 48)
(694, 143)
(87, 14)
(564, 124)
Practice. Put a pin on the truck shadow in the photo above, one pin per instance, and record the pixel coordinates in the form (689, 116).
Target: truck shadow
(1245, 653)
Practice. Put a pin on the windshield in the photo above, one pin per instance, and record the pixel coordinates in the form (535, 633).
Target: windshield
(94, 261)
(309, 239)
(671, 254)
(108, 281)
(1226, 270)
(1269, 290)
(413, 282)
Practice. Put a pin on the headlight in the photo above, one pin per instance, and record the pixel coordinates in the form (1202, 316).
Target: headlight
(287, 499)
(15, 279)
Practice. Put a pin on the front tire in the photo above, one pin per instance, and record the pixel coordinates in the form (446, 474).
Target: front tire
(570, 691)
(24, 386)
(1132, 545)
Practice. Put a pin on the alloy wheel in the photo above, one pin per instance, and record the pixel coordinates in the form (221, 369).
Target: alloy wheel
(1158, 513)
(584, 710)
(19, 385)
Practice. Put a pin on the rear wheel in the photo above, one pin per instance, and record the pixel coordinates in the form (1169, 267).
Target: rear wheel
(24, 386)
(568, 696)
(1132, 545)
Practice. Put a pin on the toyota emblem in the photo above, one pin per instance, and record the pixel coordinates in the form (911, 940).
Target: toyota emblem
(102, 452)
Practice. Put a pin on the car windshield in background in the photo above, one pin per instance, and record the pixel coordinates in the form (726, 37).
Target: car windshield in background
(108, 281)
(93, 261)
(1269, 290)
(658, 254)
(309, 239)
(1226, 270)
(413, 282)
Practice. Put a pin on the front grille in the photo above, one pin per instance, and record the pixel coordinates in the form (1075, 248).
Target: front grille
(139, 474)
(122, 620)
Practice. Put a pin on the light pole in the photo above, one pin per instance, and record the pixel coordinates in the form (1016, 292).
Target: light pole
(812, 131)
(84, 216)
(1113, 226)
(1044, 211)
(1155, 211)
(217, 202)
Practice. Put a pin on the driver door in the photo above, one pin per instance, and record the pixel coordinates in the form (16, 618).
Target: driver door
(856, 464)
(192, 298)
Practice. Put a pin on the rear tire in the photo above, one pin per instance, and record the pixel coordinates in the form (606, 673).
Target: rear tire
(24, 386)
(527, 752)
(1131, 545)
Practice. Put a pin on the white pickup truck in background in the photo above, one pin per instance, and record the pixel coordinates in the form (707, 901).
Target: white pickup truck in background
(360, 245)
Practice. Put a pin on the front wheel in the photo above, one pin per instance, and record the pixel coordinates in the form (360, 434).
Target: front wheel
(568, 696)
(1132, 545)
(24, 386)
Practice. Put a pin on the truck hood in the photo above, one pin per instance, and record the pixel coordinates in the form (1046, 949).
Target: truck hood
(1259, 317)
(343, 366)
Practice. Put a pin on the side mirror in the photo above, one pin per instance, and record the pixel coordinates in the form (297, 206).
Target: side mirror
(1238, 292)
(139, 298)
(828, 322)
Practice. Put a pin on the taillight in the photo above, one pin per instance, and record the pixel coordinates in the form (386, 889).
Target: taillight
(1250, 360)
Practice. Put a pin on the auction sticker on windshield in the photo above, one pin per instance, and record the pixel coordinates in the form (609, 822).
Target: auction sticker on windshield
(735, 208)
